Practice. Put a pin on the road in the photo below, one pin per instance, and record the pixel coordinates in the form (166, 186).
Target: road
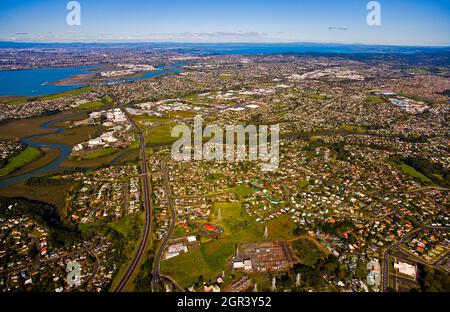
(173, 282)
(156, 275)
(147, 231)
(385, 281)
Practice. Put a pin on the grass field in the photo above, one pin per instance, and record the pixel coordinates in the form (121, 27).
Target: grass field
(215, 176)
(129, 226)
(125, 225)
(73, 136)
(159, 135)
(408, 170)
(90, 105)
(308, 251)
(100, 153)
(230, 215)
(242, 190)
(211, 258)
(179, 232)
(374, 99)
(303, 184)
(55, 195)
(24, 127)
(70, 93)
(27, 156)
(48, 156)
(19, 100)
(14, 100)
(91, 163)
(107, 99)
(350, 128)
(316, 96)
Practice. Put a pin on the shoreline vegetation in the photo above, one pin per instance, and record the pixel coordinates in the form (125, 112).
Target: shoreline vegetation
(27, 156)
(20, 100)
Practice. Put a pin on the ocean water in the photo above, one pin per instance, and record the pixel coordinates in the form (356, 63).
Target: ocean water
(35, 82)
(300, 48)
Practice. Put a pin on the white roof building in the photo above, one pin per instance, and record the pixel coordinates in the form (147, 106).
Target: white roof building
(406, 268)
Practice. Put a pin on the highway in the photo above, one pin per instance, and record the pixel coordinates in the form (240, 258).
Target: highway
(147, 231)
(156, 275)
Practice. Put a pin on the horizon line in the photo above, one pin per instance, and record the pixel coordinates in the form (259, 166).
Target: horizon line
(437, 45)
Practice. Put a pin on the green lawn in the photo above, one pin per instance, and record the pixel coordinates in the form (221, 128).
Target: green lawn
(100, 153)
(27, 156)
(303, 183)
(90, 105)
(159, 135)
(350, 128)
(187, 267)
(308, 251)
(179, 232)
(211, 258)
(16, 100)
(408, 170)
(316, 96)
(215, 176)
(70, 93)
(242, 190)
(107, 99)
(413, 173)
(373, 99)
(128, 225)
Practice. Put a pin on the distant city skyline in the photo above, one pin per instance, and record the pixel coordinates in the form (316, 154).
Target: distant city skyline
(403, 22)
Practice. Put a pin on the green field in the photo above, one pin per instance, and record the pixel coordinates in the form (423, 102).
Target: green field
(19, 100)
(16, 100)
(27, 156)
(316, 96)
(215, 176)
(374, 99)
(100, 153)
(127, 225)
(408, 170)
(159, 135)
(211, 258)
(70, 93)
(303, 184)
(230, 215)
(107, 99)
(350, 128)
(308, 251)
(90, 105)
(73, 136)
(242, 190)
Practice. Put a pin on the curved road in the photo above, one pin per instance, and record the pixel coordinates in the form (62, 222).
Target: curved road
(156, 275)
(147, 232)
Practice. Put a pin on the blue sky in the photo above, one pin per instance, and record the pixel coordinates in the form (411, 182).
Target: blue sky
(404, 22)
